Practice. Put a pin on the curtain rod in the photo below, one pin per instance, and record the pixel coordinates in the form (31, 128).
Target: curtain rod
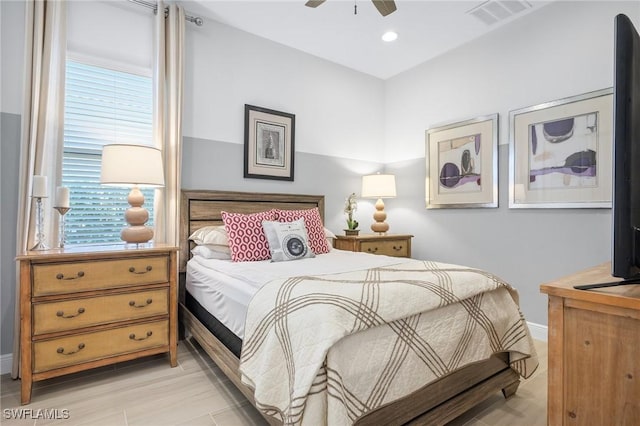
(154, 6)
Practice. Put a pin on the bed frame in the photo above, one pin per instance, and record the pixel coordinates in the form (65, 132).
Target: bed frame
(435, 404)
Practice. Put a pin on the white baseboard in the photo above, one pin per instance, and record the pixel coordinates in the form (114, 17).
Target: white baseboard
(6, 363)
(538, 331)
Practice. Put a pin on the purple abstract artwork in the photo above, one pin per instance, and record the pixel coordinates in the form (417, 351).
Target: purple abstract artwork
(459, 164)
(563, 153)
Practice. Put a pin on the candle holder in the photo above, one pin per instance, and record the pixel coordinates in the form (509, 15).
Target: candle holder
(62, 234)
(40, 245)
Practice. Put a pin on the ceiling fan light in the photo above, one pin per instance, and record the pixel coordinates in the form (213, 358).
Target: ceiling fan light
(389, 36)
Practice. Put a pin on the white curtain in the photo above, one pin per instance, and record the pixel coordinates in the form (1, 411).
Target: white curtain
(42, 126)
(168, 90)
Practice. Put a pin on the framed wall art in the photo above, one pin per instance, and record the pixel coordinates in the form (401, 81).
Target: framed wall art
(269, 143)
(462, 164)
(561, 153)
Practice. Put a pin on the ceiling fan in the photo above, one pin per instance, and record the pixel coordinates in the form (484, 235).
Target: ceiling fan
(385, 7)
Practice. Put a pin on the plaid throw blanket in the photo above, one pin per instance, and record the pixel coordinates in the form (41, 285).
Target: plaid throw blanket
(328, 349)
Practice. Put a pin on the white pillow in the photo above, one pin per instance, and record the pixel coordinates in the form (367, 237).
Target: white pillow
(287, 240)
(213, 236)
(208, 252)
(330, 236)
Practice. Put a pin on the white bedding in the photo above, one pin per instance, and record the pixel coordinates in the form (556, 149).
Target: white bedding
(225, 288)
(329, 349)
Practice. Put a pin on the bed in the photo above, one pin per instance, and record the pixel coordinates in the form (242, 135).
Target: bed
(436, 401)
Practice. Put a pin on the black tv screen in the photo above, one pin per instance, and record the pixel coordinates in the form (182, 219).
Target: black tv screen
(625, 262)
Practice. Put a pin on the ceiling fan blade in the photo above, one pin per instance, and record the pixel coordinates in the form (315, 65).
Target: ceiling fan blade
(385, 7)
(314, 3)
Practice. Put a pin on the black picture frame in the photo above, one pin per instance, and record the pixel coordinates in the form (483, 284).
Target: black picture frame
(269, 143)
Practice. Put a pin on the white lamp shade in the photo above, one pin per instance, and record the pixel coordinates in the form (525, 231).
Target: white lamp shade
(126, 165)
(378, 186)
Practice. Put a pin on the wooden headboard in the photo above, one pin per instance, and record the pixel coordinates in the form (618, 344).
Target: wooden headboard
(202, 208)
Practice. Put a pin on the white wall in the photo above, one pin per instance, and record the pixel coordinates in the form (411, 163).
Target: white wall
(339, 112)
(92, 35)
(12, 51)
(339, 115)
(561, 50)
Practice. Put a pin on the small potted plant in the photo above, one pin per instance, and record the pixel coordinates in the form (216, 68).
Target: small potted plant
(350, 206)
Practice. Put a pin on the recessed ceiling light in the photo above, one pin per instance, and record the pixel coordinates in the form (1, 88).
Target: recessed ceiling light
(389, 36)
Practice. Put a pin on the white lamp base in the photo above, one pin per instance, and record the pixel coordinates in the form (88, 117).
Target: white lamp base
(379, 226)
(136, 234)
(136, 216)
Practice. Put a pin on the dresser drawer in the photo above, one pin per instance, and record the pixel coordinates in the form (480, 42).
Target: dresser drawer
(72, 314)
(60, 278)
(87, 347)
(387, 247)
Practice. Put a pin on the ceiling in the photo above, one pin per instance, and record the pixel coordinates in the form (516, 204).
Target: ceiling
(332, 31)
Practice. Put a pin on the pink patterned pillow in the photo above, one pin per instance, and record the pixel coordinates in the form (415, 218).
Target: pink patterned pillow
(246, 236)
(313, 223)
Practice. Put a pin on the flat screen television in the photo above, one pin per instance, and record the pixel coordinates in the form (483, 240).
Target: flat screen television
(625, 245)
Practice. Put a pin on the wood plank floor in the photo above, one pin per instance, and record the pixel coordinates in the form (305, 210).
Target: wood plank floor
(196, 393)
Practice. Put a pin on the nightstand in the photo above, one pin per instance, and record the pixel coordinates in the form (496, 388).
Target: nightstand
(388, 244)
(86, 307)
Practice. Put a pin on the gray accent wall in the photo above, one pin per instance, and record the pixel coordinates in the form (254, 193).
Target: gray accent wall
(525, 247)
(12, 15)
(218, 165)
(9, 159)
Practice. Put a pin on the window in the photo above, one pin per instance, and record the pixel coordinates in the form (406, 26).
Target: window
(102, 106)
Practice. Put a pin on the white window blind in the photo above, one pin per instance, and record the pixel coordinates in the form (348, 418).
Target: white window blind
(102, 106)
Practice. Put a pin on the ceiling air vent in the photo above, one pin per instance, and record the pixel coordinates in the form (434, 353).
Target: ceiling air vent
(493, 11)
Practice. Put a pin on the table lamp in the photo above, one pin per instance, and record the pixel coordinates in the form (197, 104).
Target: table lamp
(379, 186)
(133, 166)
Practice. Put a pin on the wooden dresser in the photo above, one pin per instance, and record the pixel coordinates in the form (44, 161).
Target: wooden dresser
(86, 307)
(594, 351)
(388, 244)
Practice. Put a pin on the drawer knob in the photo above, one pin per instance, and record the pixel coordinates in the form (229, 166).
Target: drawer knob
(147, 269)
(132, 336)
(397, 248)
(372, 250)
(62, 315)
(132, 303)
(80, 274)
(62, 352)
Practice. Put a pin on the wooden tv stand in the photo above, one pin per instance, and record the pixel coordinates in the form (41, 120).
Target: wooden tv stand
(594, 351)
